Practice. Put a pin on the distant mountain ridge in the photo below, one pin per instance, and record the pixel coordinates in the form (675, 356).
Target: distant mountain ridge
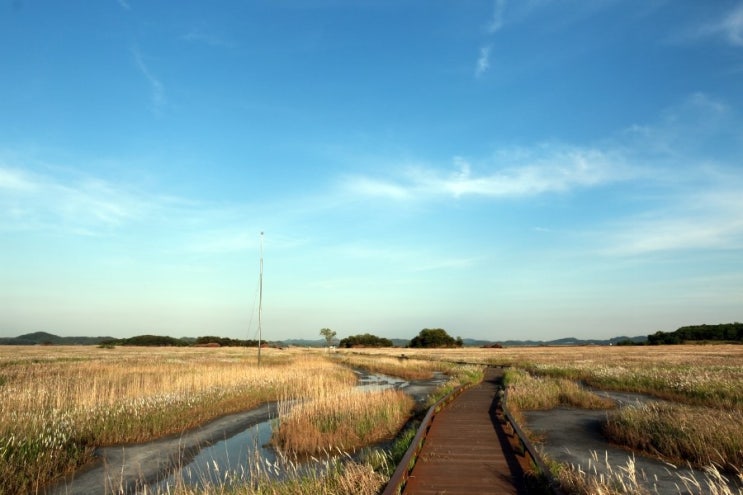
(41, 338)
(566, 341)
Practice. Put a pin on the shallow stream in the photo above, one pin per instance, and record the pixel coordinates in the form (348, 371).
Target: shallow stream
(573, 436)
(232, 449)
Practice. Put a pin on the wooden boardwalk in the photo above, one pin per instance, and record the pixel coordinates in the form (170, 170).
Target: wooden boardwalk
(466, 450)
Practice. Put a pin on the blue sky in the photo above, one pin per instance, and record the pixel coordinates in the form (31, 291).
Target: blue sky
(501, 169)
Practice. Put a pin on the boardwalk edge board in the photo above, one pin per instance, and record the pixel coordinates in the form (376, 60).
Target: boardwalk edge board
(399, 478)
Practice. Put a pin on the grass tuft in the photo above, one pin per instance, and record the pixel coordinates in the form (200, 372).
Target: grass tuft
(680, 433)
(601, 478)
(528, 392)
(347, 420)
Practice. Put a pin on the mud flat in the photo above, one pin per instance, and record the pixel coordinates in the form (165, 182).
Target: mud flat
(230, 442)
(573, 436)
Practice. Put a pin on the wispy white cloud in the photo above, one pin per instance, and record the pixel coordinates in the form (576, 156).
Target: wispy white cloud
(157, 91)
(697, 197)
(731, 26)
(84, 205)
(124, 4)
(681, 127)
(677, 195)
(15, 180)
(728, 27)
(75, 204)
(483, 60)
(496, 21)
(372, 187)
(710, 219)
(517, 173)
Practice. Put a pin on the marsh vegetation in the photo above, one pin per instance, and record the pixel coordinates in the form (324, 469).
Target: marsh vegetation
(698, 421)
(57, 404)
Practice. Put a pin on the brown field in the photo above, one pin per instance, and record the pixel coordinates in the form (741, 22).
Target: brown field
(710, 375)
(58, 403)
(701, 422)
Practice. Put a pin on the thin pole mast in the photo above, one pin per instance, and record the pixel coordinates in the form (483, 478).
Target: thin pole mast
(260, 304)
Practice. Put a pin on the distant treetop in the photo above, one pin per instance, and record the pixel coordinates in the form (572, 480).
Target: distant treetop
(435, 337)
(365, 340)
(727, 332)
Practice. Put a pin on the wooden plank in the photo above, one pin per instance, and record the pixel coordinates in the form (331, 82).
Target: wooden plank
(465, 451)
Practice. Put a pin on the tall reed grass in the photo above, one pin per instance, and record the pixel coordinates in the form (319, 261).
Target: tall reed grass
(602, 478)
(413, 369)
(58, 403)
(528, 392)
(335, 476)
(680, 433)
(347, 420)
(706, 375)
(400, 365)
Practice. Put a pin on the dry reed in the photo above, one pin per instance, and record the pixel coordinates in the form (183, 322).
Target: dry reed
(601, 478)
(58, 403)
(527, 392)
(400, 365)
(680, 433)
(347, 420)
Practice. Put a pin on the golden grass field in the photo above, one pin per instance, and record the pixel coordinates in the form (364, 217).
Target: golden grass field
(701, 424)
(58, 403)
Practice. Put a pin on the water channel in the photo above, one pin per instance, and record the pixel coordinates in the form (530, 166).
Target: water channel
(232, 449)
(573, 436)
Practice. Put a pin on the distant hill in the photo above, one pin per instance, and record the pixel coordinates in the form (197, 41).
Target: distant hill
(45, 338)
(566, 341)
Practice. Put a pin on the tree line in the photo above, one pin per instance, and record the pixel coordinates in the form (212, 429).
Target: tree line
(428, 337)
(165, 341)
(726, 332)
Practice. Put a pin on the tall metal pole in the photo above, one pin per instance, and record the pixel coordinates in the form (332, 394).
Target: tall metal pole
(260, 304)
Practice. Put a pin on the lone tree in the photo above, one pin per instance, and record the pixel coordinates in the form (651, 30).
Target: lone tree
(435, 337)
(329, 335)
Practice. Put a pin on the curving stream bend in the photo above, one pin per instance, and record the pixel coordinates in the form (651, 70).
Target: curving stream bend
(223, 450)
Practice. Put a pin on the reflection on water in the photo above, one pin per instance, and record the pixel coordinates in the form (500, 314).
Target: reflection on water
(375, 382)
(248, 456)
(238, 458)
